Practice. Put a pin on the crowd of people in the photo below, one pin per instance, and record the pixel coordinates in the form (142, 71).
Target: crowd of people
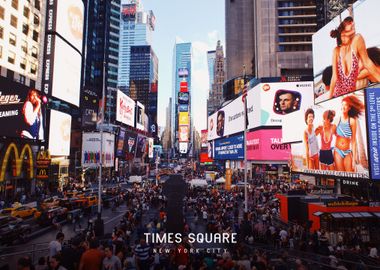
(263, 241)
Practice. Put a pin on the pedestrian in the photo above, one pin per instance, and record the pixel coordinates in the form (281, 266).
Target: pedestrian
(55, 263)
(76, 221)
(142, 255)
(55, 246)
(110, 261)
(92, 258)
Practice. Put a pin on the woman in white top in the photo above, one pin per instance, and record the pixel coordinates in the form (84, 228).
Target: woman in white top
(310, 140)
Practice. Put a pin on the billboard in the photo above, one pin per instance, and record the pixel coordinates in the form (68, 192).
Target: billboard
(120, 142)
(59, 133)
(204, 138)
(183, 118)
(67, 64)
(130, 143)
(125, 109)
(183, 133)
(91, 149)
(69, 21)
(22, 111)
(228, 120)
(183, 108)
(183, 87)
(373, 123)
(266, 144)
(183, 147)
(183, 72)
(128, 12)
(150, 147)
(337, 72)
(231, 148)
(334, 139)
(141, 146)
(140, 111)
(183, 98)
(269, 103)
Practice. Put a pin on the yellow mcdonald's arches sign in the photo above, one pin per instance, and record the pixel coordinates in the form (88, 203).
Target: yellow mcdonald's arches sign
(19, 159)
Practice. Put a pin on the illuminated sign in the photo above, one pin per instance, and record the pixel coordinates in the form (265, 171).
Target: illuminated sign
(183, 87)
(19, 159)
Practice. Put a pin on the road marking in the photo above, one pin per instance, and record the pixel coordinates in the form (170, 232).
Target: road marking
(112, 219)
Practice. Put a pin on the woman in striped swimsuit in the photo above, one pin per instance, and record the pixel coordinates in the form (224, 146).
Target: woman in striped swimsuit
(345, 151)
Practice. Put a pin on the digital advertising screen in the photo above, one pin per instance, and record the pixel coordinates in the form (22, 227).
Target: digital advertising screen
(183, 98)
(18, 104)
(130, 142)
(128, 12)
(334, 139)
(59, 133)
(141, 146)
(183, 87)
(348, 61)
(183, 147)
(183, 72)
(183, 133)
(231, 148)
(69, 21)
(266, 144)
(140, 111)
(150, 147)
(183, 108)
(269, 103)
(183, 118)
(67, 64)
(91, 149)
(373, 122)
(125, 109)
(120, 142)
(204, 138)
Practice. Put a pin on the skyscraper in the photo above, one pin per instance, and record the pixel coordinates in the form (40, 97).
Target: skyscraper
(216, 93)
(136, 28)
(182, 55)
(143, 81)
(210, 65)
(102, 19)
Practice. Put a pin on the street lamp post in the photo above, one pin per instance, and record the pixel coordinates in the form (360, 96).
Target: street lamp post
(244, 96)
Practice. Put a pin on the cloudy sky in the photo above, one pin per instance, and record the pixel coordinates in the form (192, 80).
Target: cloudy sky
(200, 22)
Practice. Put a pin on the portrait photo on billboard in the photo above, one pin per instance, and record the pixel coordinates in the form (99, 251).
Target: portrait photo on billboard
(130, 142)
(141, 146)
(220, 117)
(346, 52)
(286, 101)
(334, 139)
(22, 111)
(183, 98)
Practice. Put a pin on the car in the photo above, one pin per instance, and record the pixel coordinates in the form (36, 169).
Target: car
(46, 217)
(13, 229)
(50, 202)
(23, 212)
(6, 211)
(91, 201)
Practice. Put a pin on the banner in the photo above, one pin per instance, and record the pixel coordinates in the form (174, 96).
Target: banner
(120, 143)
(141, 146)
(267, 144)
(125, 109)
(360, 67)
(150, 147)
(140, 115)
(18, 104)
(91, 149)
(231, 148)
(334, 139)
(373, 121)
(204, 138)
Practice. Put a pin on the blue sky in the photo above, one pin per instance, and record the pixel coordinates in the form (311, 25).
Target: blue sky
(198, 21)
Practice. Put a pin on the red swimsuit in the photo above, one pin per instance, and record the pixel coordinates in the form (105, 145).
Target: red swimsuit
(346, 84)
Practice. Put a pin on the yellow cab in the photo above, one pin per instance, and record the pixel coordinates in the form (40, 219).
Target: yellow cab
(92, 200)
(23, 212)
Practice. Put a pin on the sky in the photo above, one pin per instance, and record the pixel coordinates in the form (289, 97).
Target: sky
(200, 22)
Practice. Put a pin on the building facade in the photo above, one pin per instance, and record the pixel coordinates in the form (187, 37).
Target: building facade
(22, 33)
(215, 99)
(101, 43)
(144, 81)
(182, 56)
(136, 28)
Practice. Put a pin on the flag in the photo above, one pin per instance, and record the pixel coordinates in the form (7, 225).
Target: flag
(244, 95)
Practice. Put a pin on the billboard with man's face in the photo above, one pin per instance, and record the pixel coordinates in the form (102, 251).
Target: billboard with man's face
(350, 60)
(334, 139)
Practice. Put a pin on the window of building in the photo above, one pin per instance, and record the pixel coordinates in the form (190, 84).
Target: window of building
(33, 68)
(12, 39)
(10, 74)
(37, 4)
(25, 29)
(34, 52)
(35, 35)
(11, 57)
(26, 12)
(24, 46)
(15, 4)
(14, 21)
(1, 13)
(22, 79)
(36, 19)
(1, 32)
(23, 63)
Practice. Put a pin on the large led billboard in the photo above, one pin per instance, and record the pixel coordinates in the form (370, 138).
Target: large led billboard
(22, 111)
(183, 107)
(91, 149)
(183, 87)
(183, 147)
(130, 143)
(373, 121)
(183, 133)
(231, 148)
(120, 142)
(334, 139)
(141, 146)
(128, 12)
(67, 64)
(266, 144)
(140, 115)
(183, 118)
(69, 21)
(59, 133)
(183, 98)
(348, 61)
(183, 72)
(204, 138)
(125, 109)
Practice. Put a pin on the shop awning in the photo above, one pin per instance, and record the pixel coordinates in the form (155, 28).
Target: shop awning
(337, 215)
(352, 215)
(318, 213)
(376, 214)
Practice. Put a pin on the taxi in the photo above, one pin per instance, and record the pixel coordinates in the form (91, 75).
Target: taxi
(23, 212)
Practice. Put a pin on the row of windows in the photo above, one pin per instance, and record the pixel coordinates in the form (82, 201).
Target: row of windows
(23, 62)
(24, 44)
(36, 18)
